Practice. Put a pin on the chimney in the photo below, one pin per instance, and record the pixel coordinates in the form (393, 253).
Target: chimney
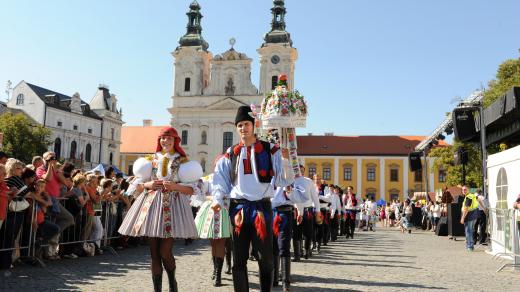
(329, 134)
(309, 134)
(147, 123)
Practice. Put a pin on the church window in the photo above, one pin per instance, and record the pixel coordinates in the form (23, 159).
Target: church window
(228, 141)
(203, 164)
(204, 138)
(75, 127)
(274, 81)
(89, 130)
(111, 158)
(187, 84)
(19, 99)
(184, 137)
(59, 123)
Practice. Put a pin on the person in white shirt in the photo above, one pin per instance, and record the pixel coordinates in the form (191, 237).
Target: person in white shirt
(335, 212)
(307, 212)
(436, 214)
(322, 224)
(370, 210)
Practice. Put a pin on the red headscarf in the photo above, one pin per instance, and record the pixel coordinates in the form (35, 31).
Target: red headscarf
(169, 131)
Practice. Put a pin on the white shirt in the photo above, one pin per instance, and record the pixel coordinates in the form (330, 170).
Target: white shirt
(335, 204)
(298, 194)
(313, 200)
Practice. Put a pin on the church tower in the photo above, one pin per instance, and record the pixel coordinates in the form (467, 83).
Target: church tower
(277, 55)
(192, 58)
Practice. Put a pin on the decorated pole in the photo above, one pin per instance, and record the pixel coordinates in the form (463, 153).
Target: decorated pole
(282, 111)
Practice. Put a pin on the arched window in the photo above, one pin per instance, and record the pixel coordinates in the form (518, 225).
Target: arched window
(187, 84)
(73, 147)
(88, 152)
(203, 138)
(203, 164)
(184, 137)
(274, 81)
(111, 158)
(57, 147)
(19, 99)
(227, 141)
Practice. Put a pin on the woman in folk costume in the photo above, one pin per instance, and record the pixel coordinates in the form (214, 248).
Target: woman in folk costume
(216, 227)
(165, 181)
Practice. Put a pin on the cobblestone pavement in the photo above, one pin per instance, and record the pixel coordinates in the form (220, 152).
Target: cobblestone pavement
(385, 260)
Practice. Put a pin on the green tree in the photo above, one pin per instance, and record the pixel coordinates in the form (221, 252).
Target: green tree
(444, 159)
(508, 75)
(22, 138)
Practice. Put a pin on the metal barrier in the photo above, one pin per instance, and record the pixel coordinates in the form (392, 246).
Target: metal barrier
(505, 238)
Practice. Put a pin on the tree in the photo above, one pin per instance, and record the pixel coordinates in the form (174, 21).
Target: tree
(444, 159)
(508, 75)
(22, 138)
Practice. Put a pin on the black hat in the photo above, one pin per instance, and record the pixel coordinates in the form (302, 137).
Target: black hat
(244, 113)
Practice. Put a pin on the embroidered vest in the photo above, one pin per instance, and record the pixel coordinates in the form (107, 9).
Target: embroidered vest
(263, 162)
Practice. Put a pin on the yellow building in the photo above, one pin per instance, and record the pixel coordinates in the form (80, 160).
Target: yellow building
(372, 165)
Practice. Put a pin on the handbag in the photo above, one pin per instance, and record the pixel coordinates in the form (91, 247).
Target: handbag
(18, 204)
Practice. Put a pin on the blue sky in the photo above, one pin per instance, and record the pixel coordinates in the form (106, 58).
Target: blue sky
(366, 67)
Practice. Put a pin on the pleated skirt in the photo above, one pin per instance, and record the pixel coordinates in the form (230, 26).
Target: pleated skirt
(148, 216)
(211, 224)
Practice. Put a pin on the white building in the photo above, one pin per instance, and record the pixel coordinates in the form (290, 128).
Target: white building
(208, 90)
(84, 134)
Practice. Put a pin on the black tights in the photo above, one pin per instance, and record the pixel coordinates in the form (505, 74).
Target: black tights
(161, 252)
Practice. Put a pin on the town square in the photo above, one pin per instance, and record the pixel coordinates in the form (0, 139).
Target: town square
(264, 145)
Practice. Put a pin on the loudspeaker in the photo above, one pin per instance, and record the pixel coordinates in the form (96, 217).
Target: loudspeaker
(415, 161)
(442, 227)
(464, 123)
(454, 226)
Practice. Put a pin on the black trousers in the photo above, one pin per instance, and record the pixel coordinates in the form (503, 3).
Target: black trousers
(334, 226)
(482, 223)
(283, 244)
(8, 233)
(322, 230)
(308, 227)
(248, 236)
(350, 223)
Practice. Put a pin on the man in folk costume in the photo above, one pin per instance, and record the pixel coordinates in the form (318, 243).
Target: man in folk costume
(335, 211)
(351, 206)
(248, 172)
(306, 211)
(322, 223)
(283, 206)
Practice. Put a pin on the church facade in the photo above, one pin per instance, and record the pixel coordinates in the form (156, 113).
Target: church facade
(209, 89)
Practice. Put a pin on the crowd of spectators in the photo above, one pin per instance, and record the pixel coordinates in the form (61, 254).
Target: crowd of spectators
(57, 209)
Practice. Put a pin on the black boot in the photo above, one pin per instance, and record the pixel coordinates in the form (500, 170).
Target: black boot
(228, 262)
(266, 281)
(276, 261)
(214, 268)
(219, 263)
(171, 280)
(240, 282)
(296, 248)
(286, 273)
(157, 282)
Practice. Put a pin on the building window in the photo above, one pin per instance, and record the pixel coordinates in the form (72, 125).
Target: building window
(19, 99)
(112, 133)
(57, 147)
(326, 173)
(312, 171)
(442, 175)
(88, 152)
(89, 130)
(59, 123)
(184, 137)
(347, 173)
(394, 174)
(204, 138)
(73, 146)
(187, 84)
(111, 158)
(274, 82)
(371, 174)
(418, 175)
(228, 141)
(75, 127)
(203, 164)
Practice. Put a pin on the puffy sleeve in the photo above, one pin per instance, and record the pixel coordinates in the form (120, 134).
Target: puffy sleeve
(284, 175)
(221, 184)
(298, 194)
(142, 170)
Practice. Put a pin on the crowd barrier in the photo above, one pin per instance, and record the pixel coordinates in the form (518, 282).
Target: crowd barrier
(505, 238)
(21, 236)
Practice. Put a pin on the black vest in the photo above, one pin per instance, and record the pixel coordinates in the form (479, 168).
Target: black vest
(269, 167)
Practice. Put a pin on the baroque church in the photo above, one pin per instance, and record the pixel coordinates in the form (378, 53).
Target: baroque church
(209, 89)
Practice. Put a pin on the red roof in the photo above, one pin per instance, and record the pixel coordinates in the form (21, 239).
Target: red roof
(358, 145)
(138, 139)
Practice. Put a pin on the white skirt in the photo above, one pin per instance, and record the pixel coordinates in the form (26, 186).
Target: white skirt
(158, 214)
